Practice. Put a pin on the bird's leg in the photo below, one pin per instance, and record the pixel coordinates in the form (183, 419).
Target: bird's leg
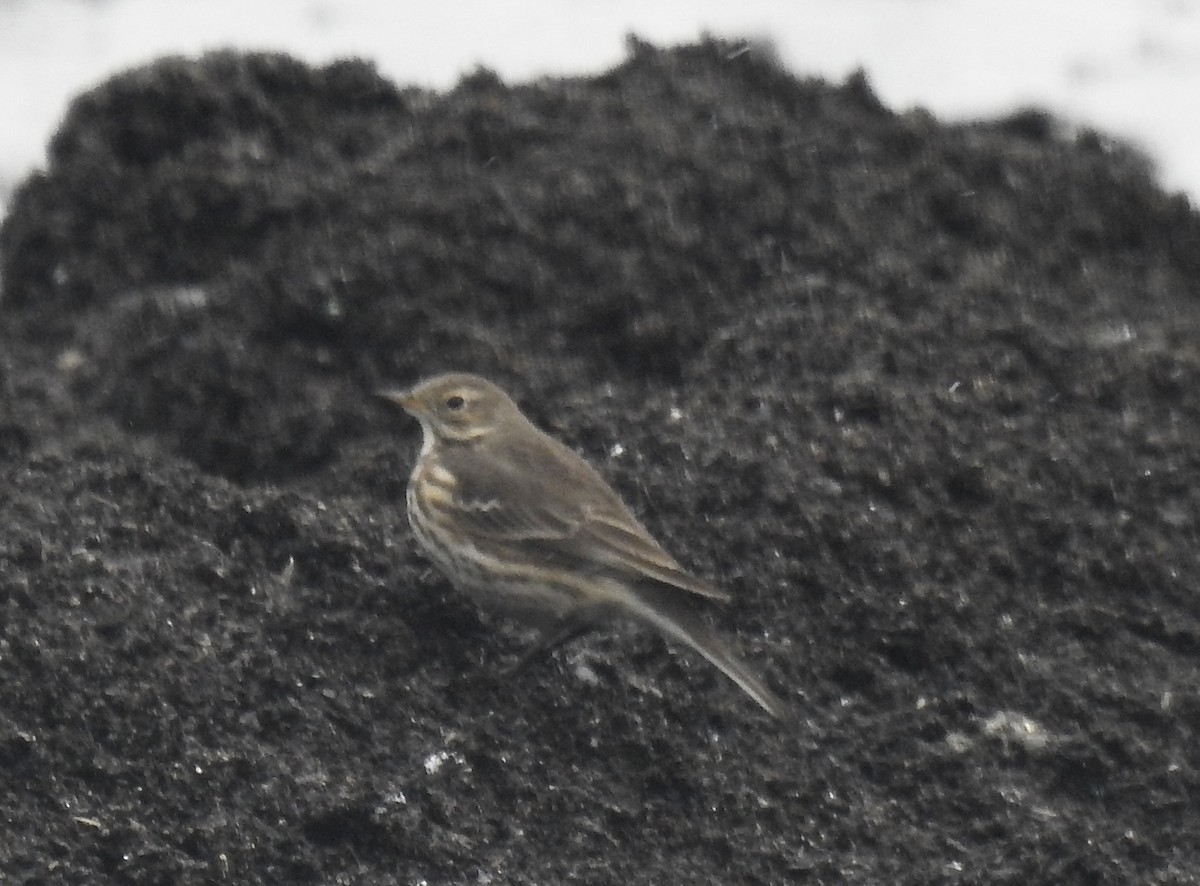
(563, 630)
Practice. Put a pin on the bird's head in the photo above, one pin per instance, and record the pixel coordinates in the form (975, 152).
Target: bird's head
(457, 406)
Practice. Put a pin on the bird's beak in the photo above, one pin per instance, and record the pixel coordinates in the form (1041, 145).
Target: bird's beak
(402, 398)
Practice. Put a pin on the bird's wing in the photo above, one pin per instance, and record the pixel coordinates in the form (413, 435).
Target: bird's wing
(567, 515)
(623, 541)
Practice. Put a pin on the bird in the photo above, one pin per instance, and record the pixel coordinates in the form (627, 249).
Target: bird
(527, 528)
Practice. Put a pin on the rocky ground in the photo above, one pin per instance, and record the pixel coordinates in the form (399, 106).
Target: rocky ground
(924, 398)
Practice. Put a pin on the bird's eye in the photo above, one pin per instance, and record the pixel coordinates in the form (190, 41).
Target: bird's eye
(455, 403)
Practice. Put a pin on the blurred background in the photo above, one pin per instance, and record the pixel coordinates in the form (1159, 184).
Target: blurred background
(1130, 68)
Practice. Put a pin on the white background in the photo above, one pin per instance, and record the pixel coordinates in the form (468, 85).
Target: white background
(1128, 67)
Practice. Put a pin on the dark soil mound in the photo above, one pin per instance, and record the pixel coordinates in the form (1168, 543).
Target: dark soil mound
(924, 398)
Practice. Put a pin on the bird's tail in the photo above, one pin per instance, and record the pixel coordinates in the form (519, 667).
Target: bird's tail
(679, 620)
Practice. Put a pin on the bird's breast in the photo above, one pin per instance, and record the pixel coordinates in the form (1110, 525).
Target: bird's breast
(433, 484)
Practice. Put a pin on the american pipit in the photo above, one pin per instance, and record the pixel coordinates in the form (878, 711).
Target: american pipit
(527, 527)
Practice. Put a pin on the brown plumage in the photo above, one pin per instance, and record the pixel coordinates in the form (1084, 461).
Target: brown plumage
(526, 526)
